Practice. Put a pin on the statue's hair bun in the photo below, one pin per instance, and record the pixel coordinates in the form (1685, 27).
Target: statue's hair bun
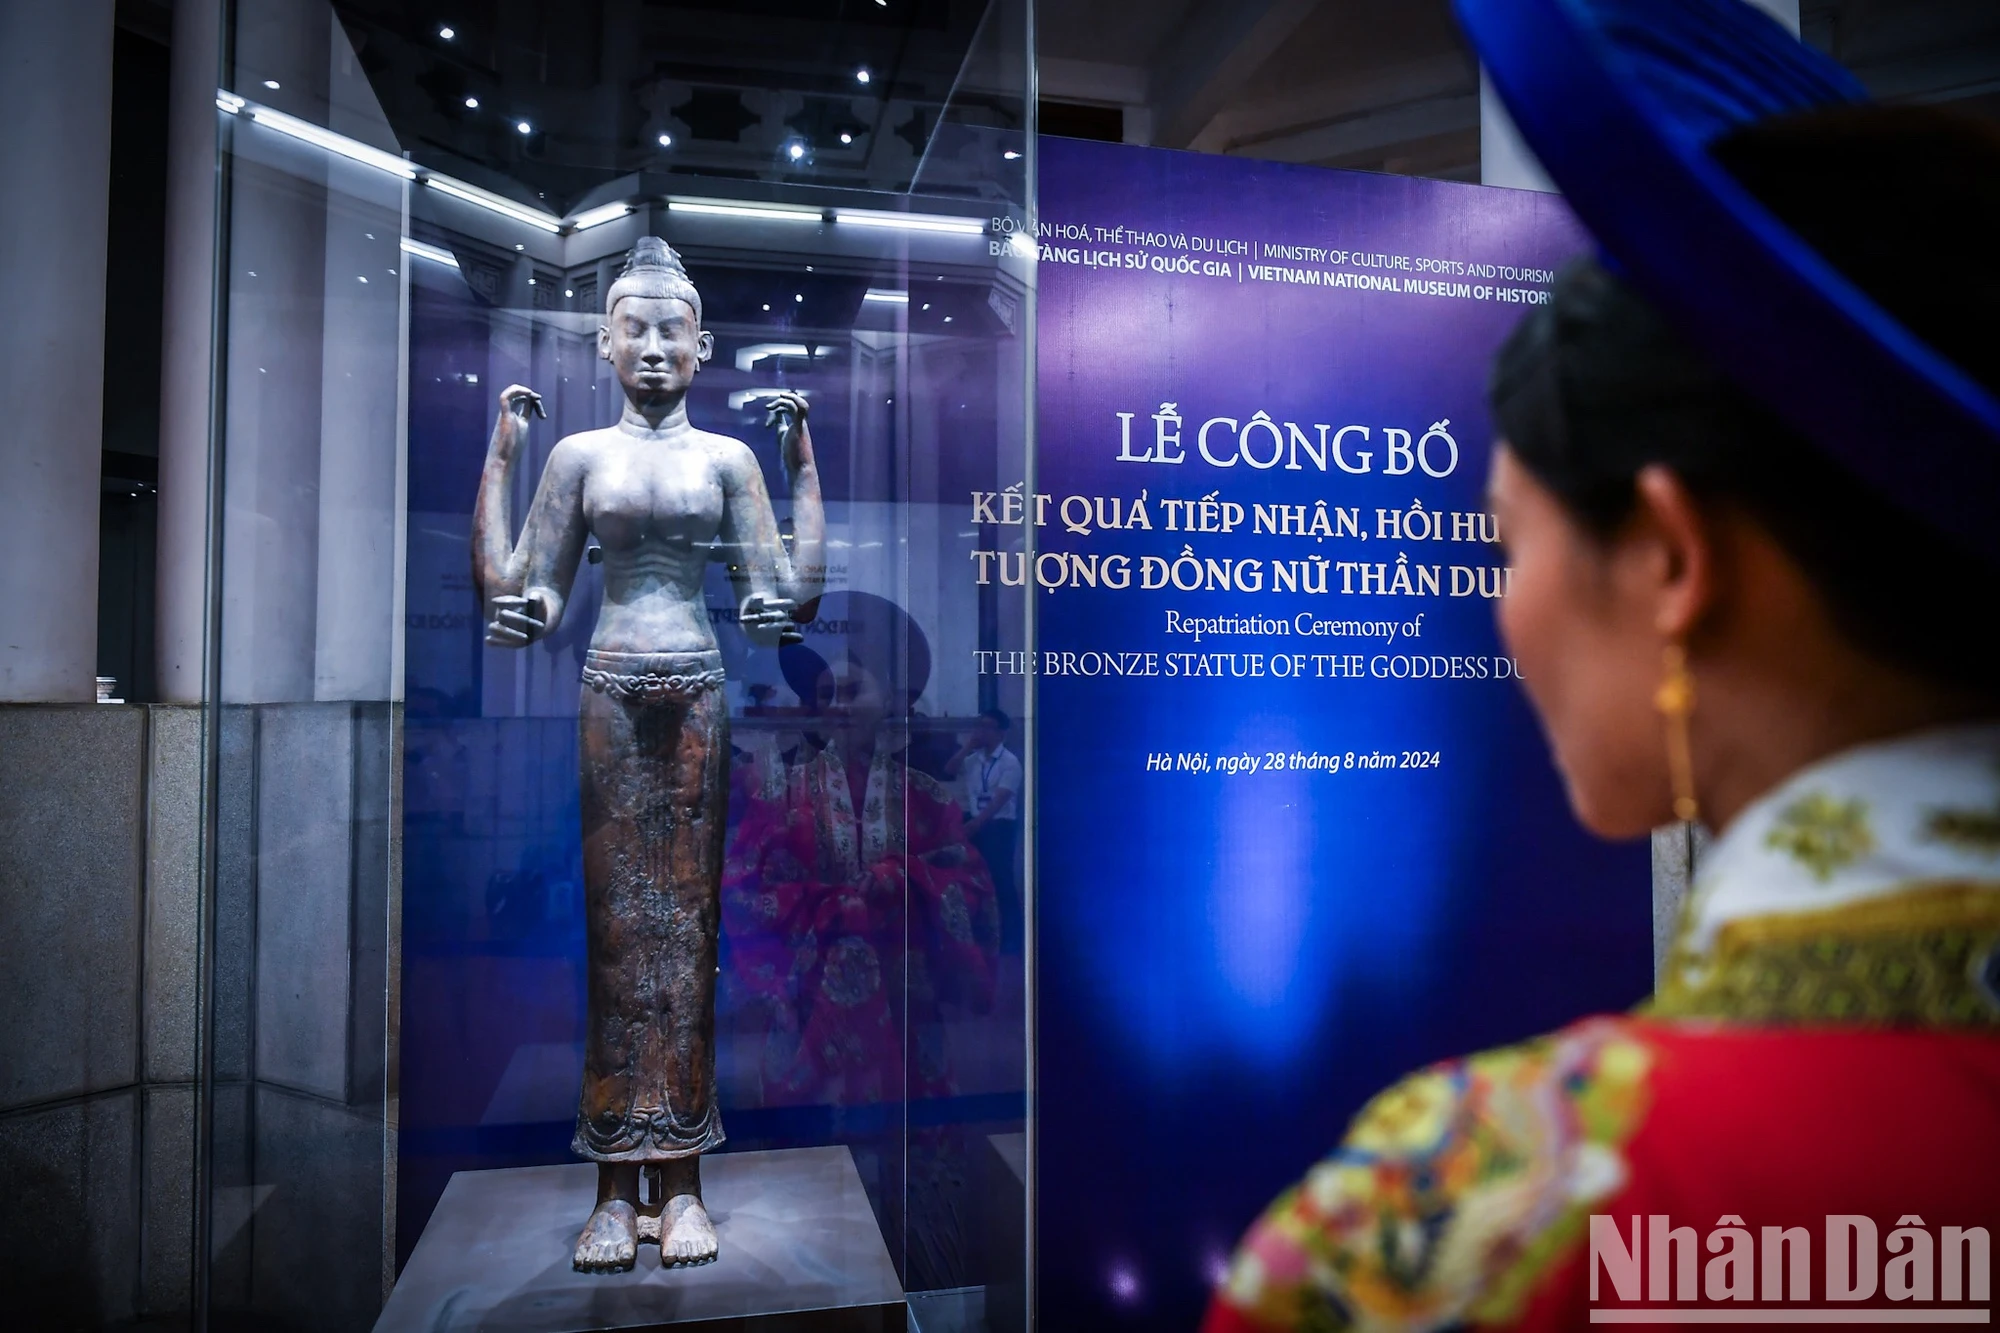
(653, 268)
(654, 255)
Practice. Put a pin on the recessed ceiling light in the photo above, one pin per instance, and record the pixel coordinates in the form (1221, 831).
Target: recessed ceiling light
(272, 84)
(947, 319)
(524, 127)
(472, 104)
(568, 292)
(447, 32)
(862, 75)
(796, 151)
(927, 305)
(666, 141)
(767, 305)
(1010, 155)
(519, 246)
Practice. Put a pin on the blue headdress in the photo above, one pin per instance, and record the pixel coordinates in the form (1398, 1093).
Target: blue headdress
(1621, 100)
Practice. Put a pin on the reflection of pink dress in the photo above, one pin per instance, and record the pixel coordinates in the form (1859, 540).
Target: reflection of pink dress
(814, 919)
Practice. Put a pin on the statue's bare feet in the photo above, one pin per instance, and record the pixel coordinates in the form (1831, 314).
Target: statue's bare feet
(689, 1237)
(610, 1239)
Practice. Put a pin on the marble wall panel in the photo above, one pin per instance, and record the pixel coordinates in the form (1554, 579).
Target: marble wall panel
(166, 1202)
(304, 902)
(317, 1245)
(1676, 850)
(71, 840)
(69, 1229)
(173, 892)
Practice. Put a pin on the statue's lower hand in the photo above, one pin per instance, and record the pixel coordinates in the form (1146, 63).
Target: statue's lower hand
(515, 622)
(769, 619)
(759, 612)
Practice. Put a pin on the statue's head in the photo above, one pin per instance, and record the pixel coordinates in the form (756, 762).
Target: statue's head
(652, 333)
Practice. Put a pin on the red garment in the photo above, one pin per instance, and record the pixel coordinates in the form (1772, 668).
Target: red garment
(1780, 1127)
(1822, 1057)
(814, 914)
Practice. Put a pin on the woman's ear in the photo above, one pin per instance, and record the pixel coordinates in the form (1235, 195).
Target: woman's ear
(1679, 540)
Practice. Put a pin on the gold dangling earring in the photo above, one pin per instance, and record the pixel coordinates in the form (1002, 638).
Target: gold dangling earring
(1675, 700)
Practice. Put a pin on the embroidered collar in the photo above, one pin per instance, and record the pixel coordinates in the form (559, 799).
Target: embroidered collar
(1864, 888)
(1871, 821)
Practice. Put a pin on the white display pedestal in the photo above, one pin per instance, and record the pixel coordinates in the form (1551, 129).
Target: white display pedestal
(800, 1250)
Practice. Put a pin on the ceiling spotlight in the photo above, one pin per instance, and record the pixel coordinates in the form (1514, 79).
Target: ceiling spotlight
(845, 137)
(568, 291)
(927, 305)
(272, 84)
(1011, 155)
(524, 127)
(519, 246)
(947, 319)
(472, 104)
(798, 296)
(447, 32)
(767, 307)
(666, 141)
(796, 151)
(862, 75)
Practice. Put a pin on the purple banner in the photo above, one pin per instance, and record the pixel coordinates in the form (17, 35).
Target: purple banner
(1298, 832)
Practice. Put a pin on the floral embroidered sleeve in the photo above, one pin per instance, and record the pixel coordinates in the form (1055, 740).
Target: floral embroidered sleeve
(1453, 1193)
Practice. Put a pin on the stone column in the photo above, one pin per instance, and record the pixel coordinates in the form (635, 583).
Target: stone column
(274, 361)
(360, 429)
(186, 363)
(55, 157)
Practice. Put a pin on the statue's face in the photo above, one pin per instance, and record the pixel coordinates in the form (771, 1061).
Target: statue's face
(655, 345)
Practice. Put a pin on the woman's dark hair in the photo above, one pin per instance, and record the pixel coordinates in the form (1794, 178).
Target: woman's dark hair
(1595, 386)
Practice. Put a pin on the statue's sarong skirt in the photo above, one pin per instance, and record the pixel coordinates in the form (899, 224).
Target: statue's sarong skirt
(655, 759)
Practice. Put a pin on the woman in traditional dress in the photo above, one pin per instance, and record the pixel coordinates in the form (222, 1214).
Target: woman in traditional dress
(663, 499)
(853, 904)
(1746, 474)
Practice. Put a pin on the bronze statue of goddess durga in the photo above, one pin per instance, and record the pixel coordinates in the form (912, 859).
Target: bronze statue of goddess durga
(662, 498)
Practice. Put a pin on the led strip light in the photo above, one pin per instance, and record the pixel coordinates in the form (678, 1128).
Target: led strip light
(366, 154)
(437, 254)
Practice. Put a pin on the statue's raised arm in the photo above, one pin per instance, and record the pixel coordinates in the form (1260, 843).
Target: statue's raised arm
(770, 580)
(498, 564)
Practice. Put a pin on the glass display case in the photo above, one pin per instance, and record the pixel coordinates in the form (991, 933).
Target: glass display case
(436, 911)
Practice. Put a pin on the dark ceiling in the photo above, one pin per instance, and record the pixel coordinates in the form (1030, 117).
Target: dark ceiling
(1390, 85)
(1382, 85)
(755, 89)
